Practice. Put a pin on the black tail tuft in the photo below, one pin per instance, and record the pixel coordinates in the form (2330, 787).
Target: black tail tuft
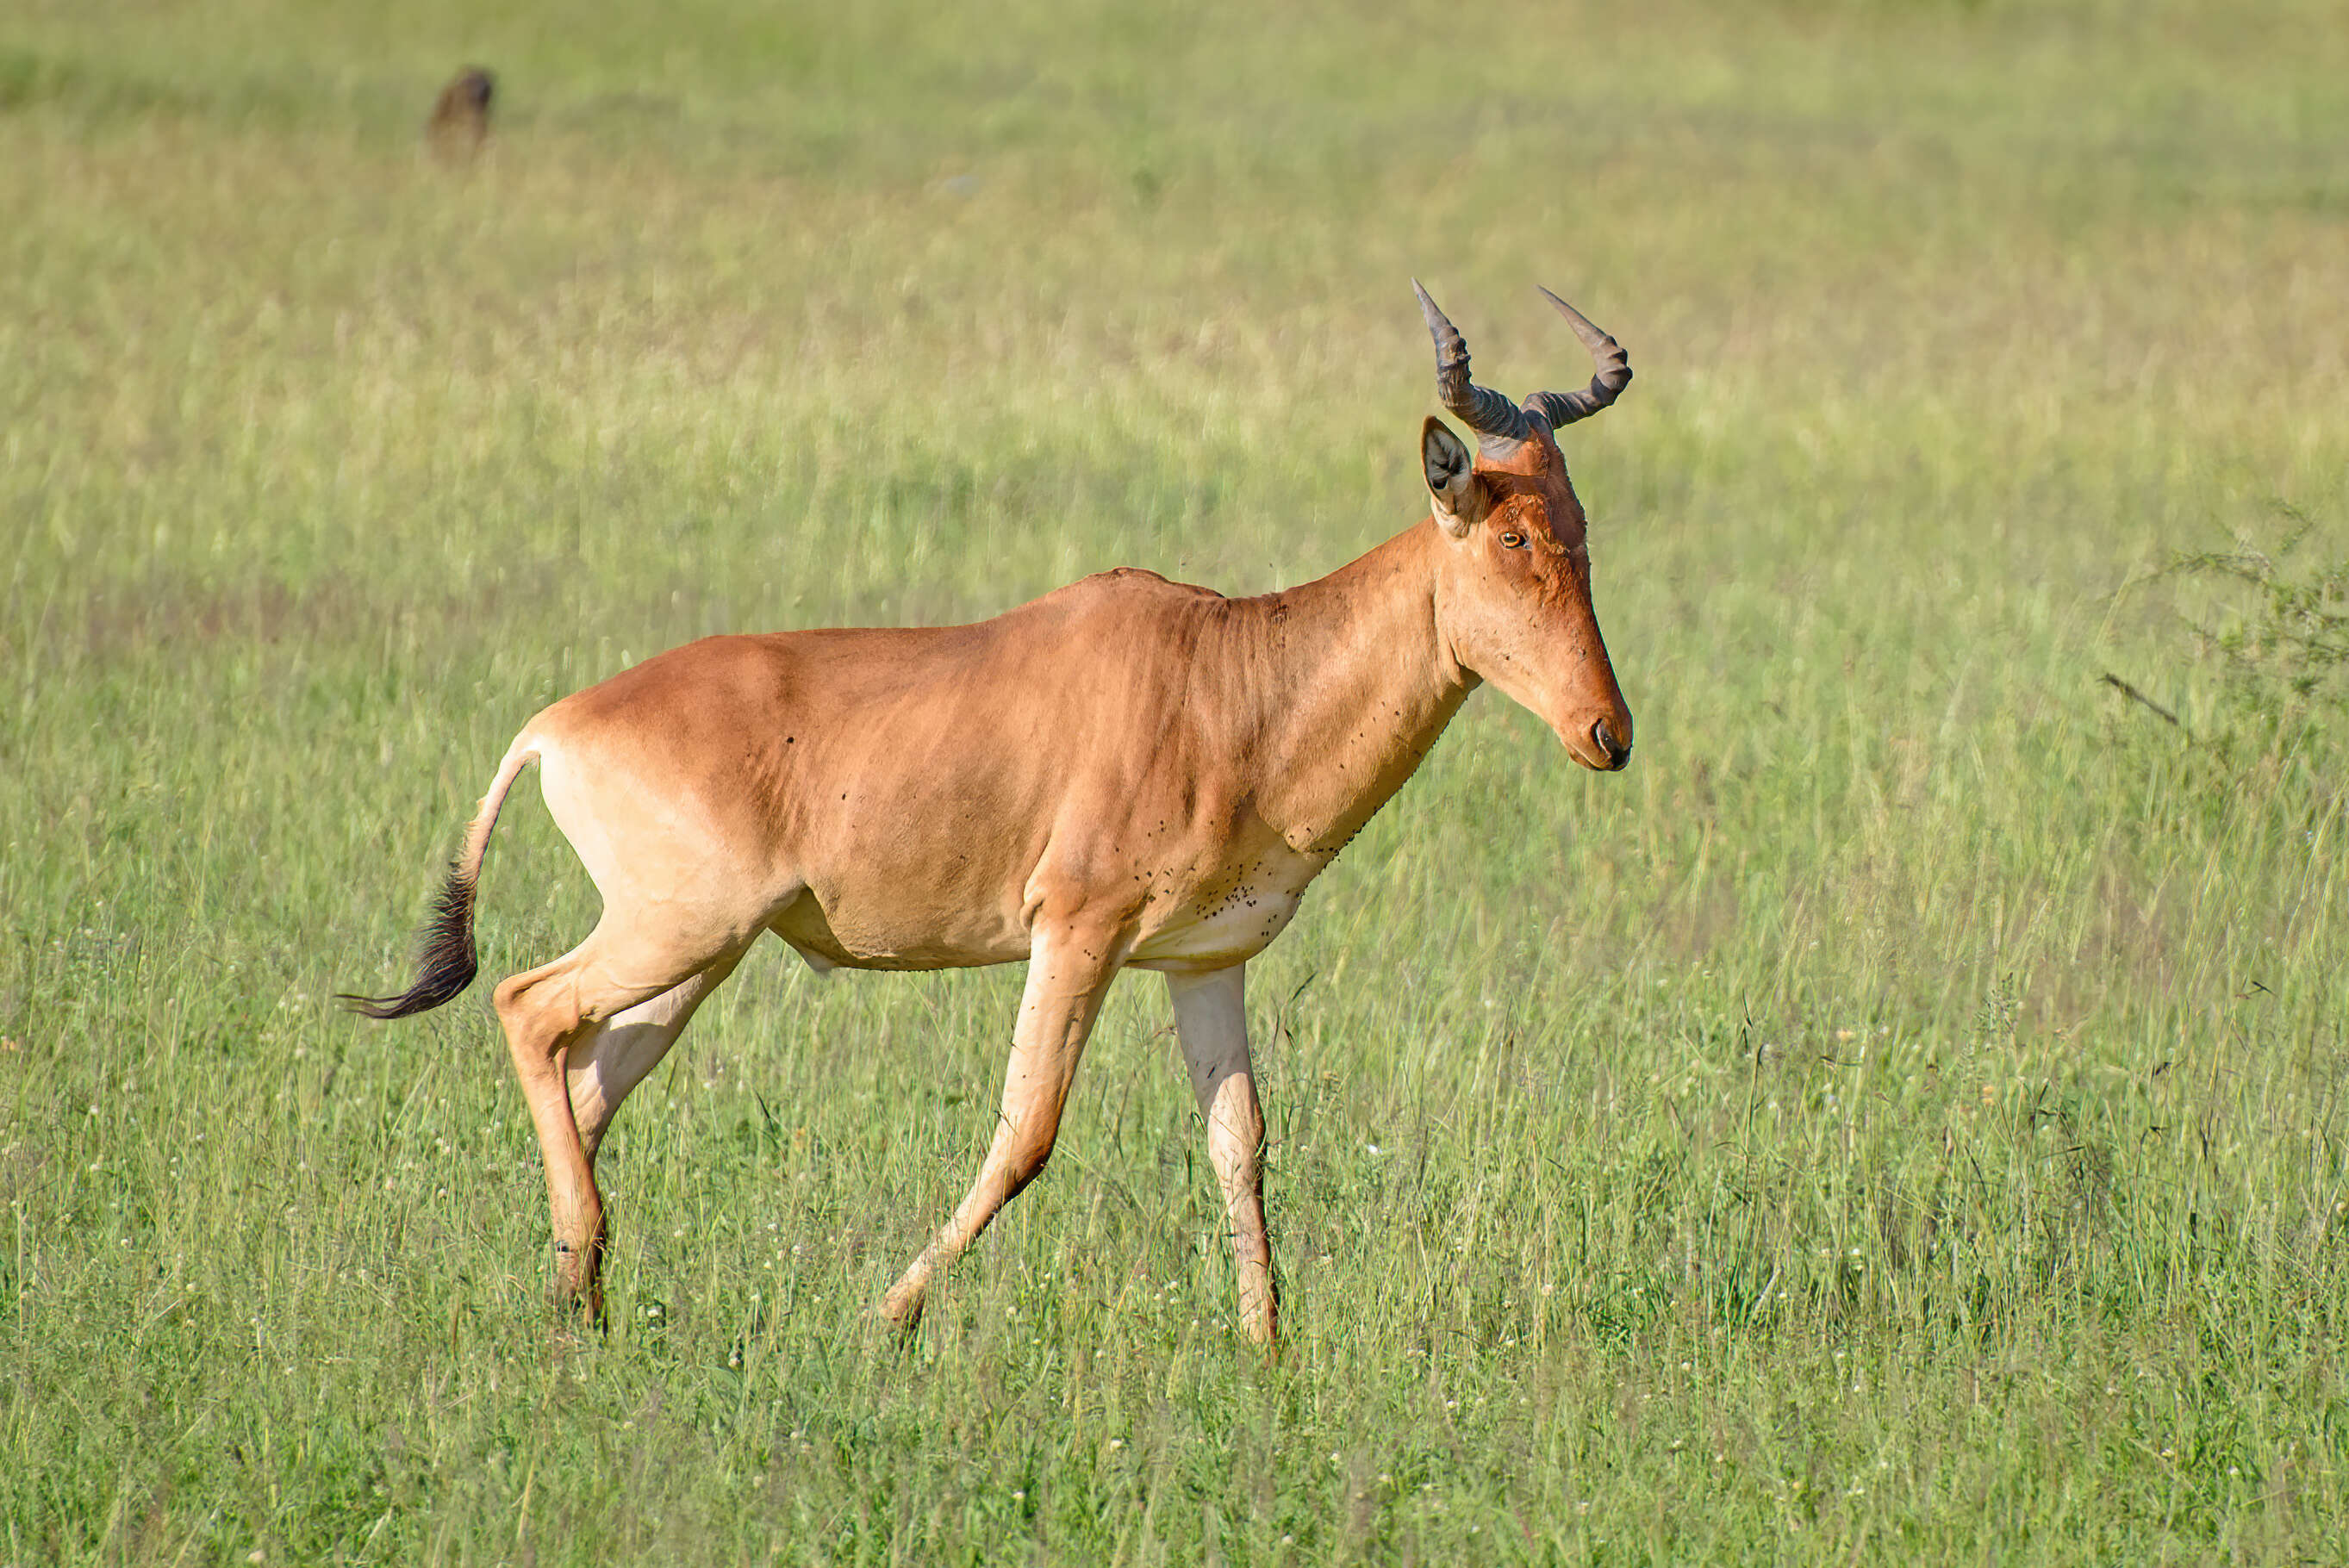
(447, 964)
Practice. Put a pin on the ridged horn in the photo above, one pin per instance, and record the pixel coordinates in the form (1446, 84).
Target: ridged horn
(1498, 423)
(1562, 408)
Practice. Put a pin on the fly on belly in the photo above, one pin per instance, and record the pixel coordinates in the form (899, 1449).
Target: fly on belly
(1232, 927)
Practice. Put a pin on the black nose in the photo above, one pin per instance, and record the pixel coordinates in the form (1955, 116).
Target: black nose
(1617, 752)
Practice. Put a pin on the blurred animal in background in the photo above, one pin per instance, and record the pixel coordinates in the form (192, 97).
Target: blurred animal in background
(460, 117)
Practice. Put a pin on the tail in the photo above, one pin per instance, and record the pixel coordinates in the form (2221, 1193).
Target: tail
(446, 964)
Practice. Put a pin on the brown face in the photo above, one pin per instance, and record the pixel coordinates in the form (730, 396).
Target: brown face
(1513, 599)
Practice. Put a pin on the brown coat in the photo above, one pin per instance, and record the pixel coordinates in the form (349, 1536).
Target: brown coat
(1128, 772)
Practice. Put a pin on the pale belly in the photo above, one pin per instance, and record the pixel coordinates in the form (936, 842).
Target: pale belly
(1229, 932)
(1231, 918)
(954, 939)
(1228, 921)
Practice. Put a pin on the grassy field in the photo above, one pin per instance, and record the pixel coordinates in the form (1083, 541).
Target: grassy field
(1901, 1119)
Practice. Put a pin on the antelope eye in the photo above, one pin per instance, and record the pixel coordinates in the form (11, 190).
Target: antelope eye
(1513, 540)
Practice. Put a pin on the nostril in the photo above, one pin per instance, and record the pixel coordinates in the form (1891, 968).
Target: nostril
(1614, 750)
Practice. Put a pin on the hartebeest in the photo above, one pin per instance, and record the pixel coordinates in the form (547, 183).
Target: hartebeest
(1129, 772)
(461, 115)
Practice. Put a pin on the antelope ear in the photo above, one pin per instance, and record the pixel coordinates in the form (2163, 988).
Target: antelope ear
(1451, 477)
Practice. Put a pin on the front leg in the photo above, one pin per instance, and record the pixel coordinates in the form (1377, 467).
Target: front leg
(1069, 968)
(1211, 1018)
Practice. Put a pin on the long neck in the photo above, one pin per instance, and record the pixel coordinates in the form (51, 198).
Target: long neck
(1352, 687)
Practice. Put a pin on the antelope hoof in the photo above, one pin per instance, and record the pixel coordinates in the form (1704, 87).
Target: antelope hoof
(1259, 1327)
(901, 1309)
(578, 1282)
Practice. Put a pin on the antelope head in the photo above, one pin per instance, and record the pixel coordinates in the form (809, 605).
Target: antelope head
(1513, 588)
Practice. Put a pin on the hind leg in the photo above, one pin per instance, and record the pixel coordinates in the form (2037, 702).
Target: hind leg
(549, 1010)
(606, 1062)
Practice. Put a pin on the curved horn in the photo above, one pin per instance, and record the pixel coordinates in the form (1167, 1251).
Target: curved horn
(1495, 419)
(1562, 408)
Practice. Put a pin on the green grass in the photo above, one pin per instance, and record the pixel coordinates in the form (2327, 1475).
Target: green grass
(1900, 1119)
